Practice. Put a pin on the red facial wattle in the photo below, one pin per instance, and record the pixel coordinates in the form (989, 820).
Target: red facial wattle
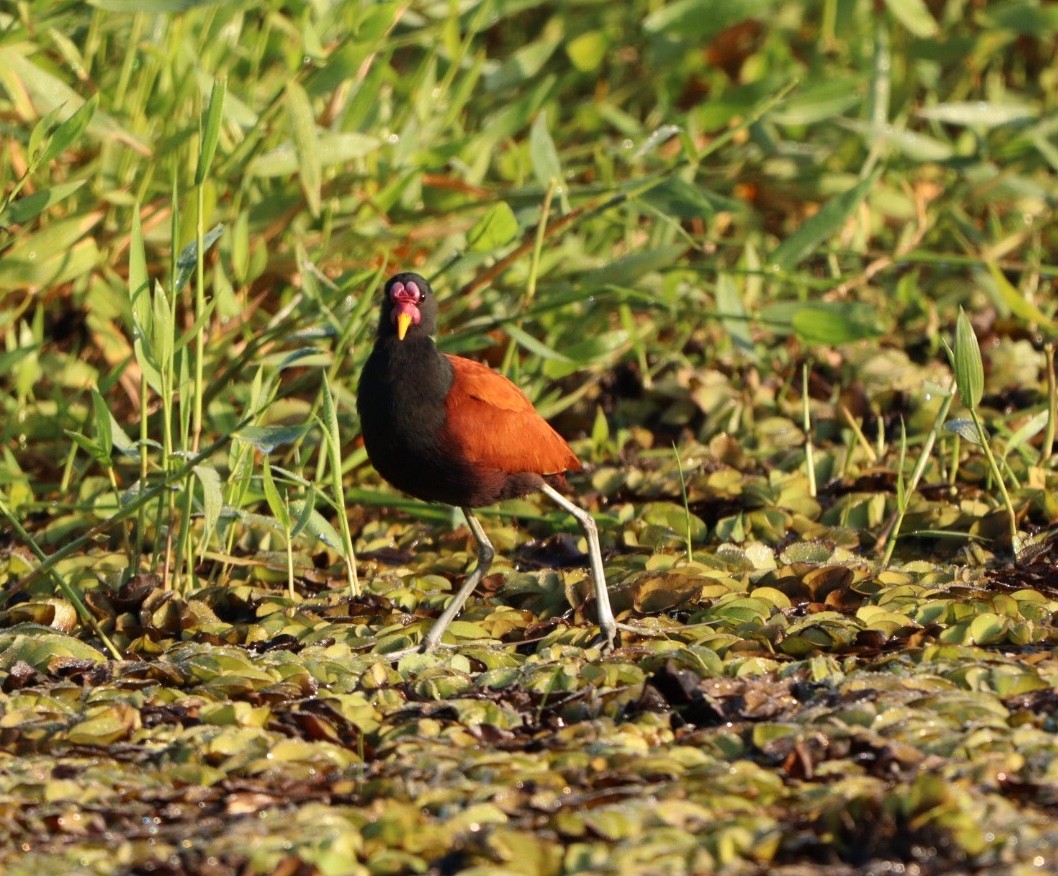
(405, 313)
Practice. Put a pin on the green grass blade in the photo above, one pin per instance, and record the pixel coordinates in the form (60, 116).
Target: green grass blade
(822, 226)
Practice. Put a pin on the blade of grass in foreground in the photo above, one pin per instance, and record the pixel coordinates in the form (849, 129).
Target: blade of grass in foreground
(332, 446)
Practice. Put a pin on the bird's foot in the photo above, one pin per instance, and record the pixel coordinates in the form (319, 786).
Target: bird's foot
(608, 637)
(605, 641)
(424, 647)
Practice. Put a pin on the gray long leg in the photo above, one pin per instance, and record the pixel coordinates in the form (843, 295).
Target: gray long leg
(602, 596)
(485, 554)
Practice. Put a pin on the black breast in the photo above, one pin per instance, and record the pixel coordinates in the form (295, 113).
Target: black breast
(401, 402)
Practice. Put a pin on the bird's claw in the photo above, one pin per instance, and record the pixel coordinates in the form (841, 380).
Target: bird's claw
(396, 656)
(606, 641)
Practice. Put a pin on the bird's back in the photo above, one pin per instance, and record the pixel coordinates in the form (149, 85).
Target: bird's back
(494, 424)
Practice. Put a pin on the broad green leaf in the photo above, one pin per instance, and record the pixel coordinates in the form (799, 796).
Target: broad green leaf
(594, 349)
(212, 499)
(302, 511)
(10, 359)
(965, 429)
(90, 446)
(163, 325)
(597, 346)
(880, 88)
(30, 206)
(969, 369)
(182, 374)
(978, 114)
(658, 137)
(588, 50)
(1024, 18)
(732, 314)
(629, 268)
(542, 153)
(330, 425)
(1027, 431)
(268, 438)
(275, 502)
(495, 229)
(740, 610)
(988, 628)
(527, 61)
(148, 365)
(187, 261)
(76, 261)
(139, 283)
(51, 246)
(835, 322)
(318, 526)
(915, 16)
(102, 418)
(823, 225)
(686, 200)
(38, 646)
(377, 19)
(333, 148)
(306, 144)
(534, 345)
(303, 357)
(702, 19)
(43, 130)
(1043, 145)
(210, 131)
(121, 440)
(240, 247)
(1019, 305)
(823, 322)
(600, 429)
(913, 144)
(67, 133)
(822, 101)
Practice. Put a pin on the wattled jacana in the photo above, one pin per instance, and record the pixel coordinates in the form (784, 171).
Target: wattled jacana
(447, 429)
